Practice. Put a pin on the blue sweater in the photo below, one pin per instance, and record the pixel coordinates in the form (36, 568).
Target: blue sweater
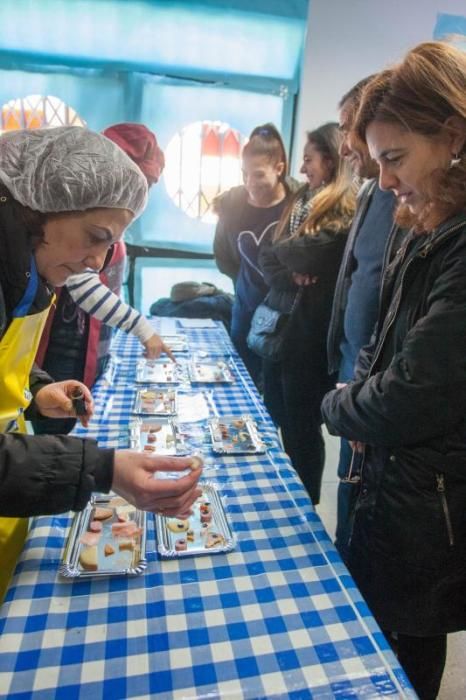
(363, 294)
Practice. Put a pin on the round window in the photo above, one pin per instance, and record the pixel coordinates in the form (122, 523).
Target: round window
(202, 160)
(36, 112)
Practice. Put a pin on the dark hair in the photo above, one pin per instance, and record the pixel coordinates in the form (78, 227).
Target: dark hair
(33, 221)
(265, 140)
(354, 93)
(419, 95)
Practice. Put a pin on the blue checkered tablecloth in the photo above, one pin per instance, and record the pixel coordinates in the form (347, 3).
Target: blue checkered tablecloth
(279, 617)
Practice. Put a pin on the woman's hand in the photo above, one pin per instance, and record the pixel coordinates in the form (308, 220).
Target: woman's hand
(55, 400)
(155, 346)
(135, 478)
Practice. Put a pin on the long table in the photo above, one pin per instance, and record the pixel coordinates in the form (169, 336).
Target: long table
(278, 617)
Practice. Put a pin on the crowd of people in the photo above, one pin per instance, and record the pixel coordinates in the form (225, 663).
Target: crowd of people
(363, 267)
(374, 288)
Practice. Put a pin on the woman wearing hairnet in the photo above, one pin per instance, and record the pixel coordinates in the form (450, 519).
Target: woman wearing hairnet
(66, 195)
(76, 340)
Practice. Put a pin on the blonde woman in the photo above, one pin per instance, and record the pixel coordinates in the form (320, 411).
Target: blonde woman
(305, 253)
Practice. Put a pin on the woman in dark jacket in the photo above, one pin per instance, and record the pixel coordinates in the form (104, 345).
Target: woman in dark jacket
(66, 195)
(406, 410)
(305, 255)
(247, 218)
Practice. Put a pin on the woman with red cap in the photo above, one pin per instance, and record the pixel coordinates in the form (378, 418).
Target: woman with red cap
(78, 334)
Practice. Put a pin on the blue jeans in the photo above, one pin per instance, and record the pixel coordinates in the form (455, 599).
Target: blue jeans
(347, 492)
(240, 325)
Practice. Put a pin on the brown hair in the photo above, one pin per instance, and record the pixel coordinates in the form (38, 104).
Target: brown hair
(419, 95)
(33, 221)
(265, 140)
(333, 206)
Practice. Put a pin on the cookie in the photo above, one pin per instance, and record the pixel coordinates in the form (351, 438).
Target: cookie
(176, 525)
(102, 513)
(196, 463)
(213, 540)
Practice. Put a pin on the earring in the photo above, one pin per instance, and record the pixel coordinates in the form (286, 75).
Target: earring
(456, 160)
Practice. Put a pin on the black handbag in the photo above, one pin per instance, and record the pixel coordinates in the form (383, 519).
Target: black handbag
(269, 330)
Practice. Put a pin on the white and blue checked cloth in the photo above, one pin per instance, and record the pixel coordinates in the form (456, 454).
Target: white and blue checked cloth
(279, 617)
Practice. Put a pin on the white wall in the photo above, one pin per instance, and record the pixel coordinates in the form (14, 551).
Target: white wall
(350, 39)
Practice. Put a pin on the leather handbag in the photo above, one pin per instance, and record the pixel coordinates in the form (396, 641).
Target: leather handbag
(270, 328)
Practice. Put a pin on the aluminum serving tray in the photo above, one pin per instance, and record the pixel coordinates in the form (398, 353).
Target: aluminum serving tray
(158, 372)
(155, 435)
(152, 401)
(127, 561)
(176, 343)
(210, 371)
(212, 537)
(235, 435)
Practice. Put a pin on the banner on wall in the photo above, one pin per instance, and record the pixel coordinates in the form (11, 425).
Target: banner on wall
(451, 28)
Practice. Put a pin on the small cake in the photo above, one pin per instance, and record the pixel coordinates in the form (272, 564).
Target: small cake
(238, 423)
(181, 545)
(88, 558)
(204, 529)
(108, 550)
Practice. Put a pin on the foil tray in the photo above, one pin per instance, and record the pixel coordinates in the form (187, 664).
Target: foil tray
(156, 436)
(153, 401)
(212, 537)
(210, 371)
(129, 555)
(158, 372)
(235, 435)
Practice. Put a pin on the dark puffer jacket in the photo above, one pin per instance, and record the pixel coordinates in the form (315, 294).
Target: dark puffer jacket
(408, 405)
(40, 474)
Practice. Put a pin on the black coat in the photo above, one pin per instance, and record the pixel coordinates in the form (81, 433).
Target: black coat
(408, 405)
(40, 474)
(318, 256)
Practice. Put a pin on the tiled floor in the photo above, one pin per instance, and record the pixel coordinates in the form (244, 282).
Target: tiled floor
(454, 678)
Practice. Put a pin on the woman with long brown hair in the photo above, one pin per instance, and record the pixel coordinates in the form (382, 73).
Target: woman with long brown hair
(305, 255)
(247, 217)
(406, 410)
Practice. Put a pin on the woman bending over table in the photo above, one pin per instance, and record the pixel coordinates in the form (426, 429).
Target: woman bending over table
(66, 196)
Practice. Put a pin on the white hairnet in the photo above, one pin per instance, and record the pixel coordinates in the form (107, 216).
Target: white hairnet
(69, 168)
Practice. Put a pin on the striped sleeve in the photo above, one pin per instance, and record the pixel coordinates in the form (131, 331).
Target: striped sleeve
(96, 299)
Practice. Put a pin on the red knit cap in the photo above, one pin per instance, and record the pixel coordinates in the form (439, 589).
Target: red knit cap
(140, 144)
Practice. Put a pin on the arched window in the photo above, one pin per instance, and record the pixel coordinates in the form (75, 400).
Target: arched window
(202, 160)
(37, 111)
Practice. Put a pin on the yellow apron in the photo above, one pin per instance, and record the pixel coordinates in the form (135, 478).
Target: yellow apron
(18, 349)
